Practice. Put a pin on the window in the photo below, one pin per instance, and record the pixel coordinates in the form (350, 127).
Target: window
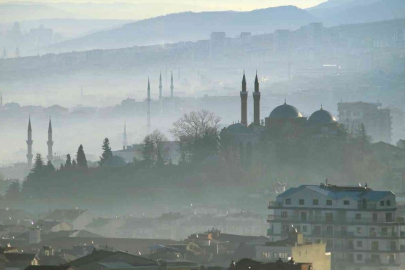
(275, 255)
(284, 214)
(388, 203)
(346, 202)
(373, 232)
(359, 243)
(328, 202)
(287, 201)
(359, 257)
(382, 203)
(304, 228)
(301, 201)
(329, 243)
(329, 217)
(358, 216)
(359, 230)
(315, 202)
(266, 255)
(374, 246)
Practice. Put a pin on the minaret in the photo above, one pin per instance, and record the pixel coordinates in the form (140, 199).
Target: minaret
(148, 101)
(171, 85)
(124, 137)
(243, 100)
(256, 102)
(160, 92)
(50, 142)
(1, 100)
(29, 145)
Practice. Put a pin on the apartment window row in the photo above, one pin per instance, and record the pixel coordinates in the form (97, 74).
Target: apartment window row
(315, 202)
(275, 255)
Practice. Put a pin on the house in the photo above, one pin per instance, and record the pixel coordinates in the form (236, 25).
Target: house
(17, 261)
(47, 226)
(101, 259)
(248, 264)
(78, 218)
(295, 247)
(50, 267)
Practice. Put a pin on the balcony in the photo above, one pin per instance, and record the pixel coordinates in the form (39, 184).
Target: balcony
(373, 261)
(333, 219)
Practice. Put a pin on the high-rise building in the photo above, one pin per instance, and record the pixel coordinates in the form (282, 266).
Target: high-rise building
(360, 226)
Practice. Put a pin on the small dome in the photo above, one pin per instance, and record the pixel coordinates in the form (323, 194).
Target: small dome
(321, 117)
(238, 128)
(285, 111)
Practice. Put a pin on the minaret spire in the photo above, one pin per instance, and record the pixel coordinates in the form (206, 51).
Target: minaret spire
(1, 100)
(148, 104)
(243, 100)
(124, 137)
(29, 144)
(171, 85)
(160, 92)
(50, 142)
(256, 102)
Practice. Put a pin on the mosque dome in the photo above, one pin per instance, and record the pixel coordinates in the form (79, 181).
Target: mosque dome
(321, 117)
(238, 128)
(285, 111)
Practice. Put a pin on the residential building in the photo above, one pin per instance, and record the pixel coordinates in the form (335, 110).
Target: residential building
(359, 225)
(248, 264)
(297, 248)
(376, 120)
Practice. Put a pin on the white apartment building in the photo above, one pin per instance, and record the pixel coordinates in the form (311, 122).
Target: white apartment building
(358, 225)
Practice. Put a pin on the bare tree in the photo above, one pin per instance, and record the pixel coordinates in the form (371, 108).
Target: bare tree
(197, 133)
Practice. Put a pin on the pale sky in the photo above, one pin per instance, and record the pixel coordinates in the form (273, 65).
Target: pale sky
(142, 9)
(229, 4)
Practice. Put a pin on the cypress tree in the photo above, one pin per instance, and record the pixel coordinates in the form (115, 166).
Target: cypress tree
(81, 158)
(68, 163)
(38, 164)
(74, 164)
(107, 152)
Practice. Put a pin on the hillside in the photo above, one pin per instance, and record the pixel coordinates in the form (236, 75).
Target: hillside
(358, 11)
(190, 26)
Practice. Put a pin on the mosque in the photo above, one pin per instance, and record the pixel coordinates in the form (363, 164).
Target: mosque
(285, 120)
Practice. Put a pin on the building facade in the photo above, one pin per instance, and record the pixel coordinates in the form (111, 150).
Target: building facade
(359, 226)
(376, 120)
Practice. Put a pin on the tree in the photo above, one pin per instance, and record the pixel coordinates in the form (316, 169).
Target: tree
(81, 158)
(74, 164)
(107, 153)
(13, 191)
(38, 164)
(153, 151)
(198, 135)
(50, 167)
(68, 163)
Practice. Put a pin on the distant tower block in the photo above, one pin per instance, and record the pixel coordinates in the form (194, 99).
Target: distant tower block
(124, 137)
(50, 142)
(148, 105)
(243, 100)
(29, 145)
(256, 102)
(171, 85)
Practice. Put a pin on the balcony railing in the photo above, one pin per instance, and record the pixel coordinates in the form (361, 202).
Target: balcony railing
(334, 219)
(360, 205)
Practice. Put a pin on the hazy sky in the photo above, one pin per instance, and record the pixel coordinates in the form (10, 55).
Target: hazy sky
(212, 4)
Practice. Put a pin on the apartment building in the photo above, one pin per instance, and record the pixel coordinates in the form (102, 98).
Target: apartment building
(359, 225)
